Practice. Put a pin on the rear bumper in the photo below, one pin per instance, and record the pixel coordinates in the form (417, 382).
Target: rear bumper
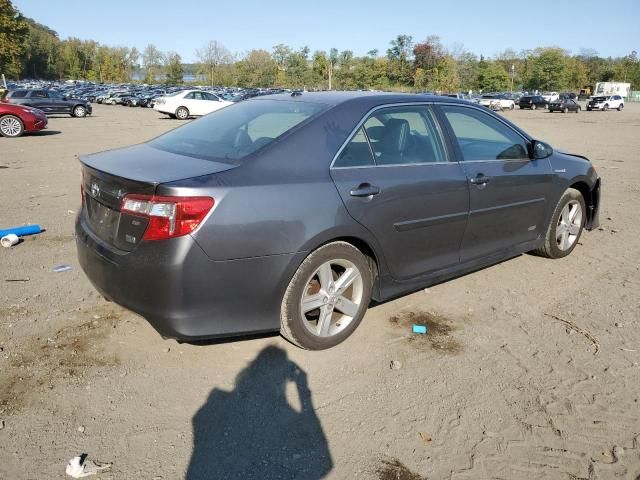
(181, 292)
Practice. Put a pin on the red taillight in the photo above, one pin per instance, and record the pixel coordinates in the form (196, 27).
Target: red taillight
(168, 216)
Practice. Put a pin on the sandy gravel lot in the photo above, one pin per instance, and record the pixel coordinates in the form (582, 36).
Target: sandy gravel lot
(530, 370)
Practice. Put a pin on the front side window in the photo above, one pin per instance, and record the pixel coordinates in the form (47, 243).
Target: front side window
(236, 131)
(190, 96)
(482, 137)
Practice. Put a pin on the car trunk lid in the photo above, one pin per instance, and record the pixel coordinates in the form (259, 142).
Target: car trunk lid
(108, 176)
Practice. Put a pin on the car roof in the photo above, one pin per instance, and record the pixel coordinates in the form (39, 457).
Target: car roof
(372, 98)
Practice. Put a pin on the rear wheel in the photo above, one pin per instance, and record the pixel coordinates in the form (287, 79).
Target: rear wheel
(565, 227)
(327, 297)
(513, 105)
(79, 111)
(182, 113)
(11, 126)
(605, 108)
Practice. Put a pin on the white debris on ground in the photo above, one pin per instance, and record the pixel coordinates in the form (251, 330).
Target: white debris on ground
(80, 467)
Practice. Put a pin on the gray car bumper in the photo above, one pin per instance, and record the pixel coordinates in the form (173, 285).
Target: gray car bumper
(184, 294)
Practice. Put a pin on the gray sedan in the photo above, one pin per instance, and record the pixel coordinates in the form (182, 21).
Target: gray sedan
(292, 213)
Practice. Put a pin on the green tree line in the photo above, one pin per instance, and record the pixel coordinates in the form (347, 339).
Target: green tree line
(31, 50)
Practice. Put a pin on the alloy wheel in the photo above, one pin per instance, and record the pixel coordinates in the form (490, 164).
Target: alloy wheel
(10, 126)
(569, 224)
(332, 297)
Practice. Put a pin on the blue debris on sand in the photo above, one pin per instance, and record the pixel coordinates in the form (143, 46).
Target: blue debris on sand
(421, 329)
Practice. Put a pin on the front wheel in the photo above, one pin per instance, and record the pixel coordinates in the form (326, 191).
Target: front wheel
(182, 113)
(11, 126)
(605, 108)
(327, 297)
(620, 107)
(79, 111)
(565, 227)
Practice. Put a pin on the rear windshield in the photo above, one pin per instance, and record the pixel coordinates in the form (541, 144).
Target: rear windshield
(236, 131)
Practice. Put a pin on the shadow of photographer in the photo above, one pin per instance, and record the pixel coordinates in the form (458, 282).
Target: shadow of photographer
(254, 432)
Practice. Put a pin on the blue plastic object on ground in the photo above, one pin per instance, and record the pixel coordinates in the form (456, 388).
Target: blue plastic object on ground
(421, 329)
(22, 231)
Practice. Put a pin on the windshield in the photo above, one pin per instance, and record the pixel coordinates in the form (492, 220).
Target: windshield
(237, 130)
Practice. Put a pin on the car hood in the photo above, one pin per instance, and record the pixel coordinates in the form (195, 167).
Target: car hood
(572, 154)
(147, 164)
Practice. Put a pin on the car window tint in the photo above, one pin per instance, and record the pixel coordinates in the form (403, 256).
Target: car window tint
(357, 152)
(482, 137)
(210, 96)
(190, 96)
(234, 132)
(198, 95)
(19, 94)
(39, 94)
(404, 135)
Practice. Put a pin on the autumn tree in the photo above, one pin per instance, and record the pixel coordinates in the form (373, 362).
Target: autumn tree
(173, 68)
(152, 60)
(14, 32)
(212, 57)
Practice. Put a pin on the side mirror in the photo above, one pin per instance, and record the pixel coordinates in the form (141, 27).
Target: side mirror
(539, 150)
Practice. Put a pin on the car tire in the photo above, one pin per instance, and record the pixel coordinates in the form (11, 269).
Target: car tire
(620, 107)
(571, 214)
(533, 106)
(79, 111)
(512, 106)
(316, 283)
(182, 113)
(11, 126)
(605, 108)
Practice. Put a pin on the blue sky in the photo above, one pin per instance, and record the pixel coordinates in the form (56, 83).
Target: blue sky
(183, 26)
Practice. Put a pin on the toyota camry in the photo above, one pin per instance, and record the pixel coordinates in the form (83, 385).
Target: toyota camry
(293, 212)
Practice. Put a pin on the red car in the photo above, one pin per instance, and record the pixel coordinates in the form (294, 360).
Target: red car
(16, 119)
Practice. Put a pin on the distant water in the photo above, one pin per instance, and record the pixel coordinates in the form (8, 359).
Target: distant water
(159, 78)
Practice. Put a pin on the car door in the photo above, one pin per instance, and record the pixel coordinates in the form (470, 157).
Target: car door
(214, 102)
(508, 191)
(396, 178)
(40, 99)
(58, 104)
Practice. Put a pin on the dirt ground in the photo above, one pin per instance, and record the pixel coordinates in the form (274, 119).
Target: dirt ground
(530, 369)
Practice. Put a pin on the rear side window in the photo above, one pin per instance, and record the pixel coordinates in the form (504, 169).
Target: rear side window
(482, 137)
(357, 153)
(237, 131)
(18, 94)
(39, 94)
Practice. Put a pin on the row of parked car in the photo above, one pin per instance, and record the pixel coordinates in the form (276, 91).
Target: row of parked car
(39, 98)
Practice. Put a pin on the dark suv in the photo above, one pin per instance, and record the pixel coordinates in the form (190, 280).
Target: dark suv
(533, 102)
(49, 101)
